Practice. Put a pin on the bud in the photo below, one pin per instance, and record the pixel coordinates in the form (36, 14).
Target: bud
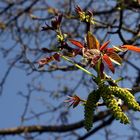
(84, 16)
(56, 22)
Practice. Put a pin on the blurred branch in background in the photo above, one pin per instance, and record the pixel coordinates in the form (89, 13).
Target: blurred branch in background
(46, 88)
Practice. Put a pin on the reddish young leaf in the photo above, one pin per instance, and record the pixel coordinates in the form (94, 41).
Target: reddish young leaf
(46, 60)
(56, 57)
(103, 47)
(115, 58)
(74, 100)
(92, 41)
(110, 50)
(56, 21)
(132, 48)
(76, 43)
(75, 104)
(118, 49)
(108, 62)
(78, 9)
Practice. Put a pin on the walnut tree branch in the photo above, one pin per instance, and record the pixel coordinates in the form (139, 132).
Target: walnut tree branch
(54, 128)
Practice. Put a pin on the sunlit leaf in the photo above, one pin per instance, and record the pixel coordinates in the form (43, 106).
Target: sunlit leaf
(92, 41)
(108, 62)
(76, 43)
(118, 49)
(131, 47)
(103, 47)
(115, 58)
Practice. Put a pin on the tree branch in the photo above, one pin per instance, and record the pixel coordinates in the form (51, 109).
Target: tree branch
(55, 128)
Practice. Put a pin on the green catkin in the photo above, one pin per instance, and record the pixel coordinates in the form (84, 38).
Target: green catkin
(109, 95)
(90, 107)
(112, 104)
(126, 96)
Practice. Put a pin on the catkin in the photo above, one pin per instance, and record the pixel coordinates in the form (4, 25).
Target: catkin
(111, 103)
(126, 96)
(110, 94)
(90, 107)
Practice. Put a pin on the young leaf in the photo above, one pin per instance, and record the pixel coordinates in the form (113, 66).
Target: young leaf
(103, 47)
(118, 49)
(108, 62)
(76, 43)
(46, 60)
(78, 9)
(115, 58)
(92, 41)
(110, 50)
(56, 57)
(132, 48)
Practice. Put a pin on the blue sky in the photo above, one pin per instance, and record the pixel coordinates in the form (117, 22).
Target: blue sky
(12, 104)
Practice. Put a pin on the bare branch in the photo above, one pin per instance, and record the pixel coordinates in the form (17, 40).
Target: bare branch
(43, 128)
